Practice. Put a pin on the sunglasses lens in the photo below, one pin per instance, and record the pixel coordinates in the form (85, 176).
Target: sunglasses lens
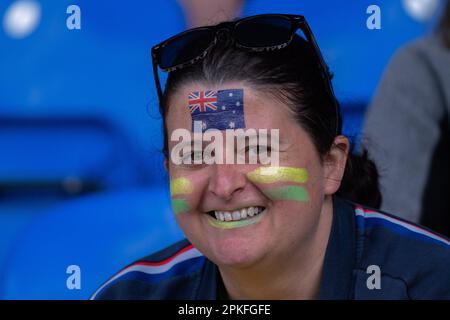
(185, 47)
(264, 31)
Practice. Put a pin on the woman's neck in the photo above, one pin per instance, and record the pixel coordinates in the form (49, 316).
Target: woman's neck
(297, 277)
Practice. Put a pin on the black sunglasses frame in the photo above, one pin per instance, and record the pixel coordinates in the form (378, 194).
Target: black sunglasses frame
(297, 22)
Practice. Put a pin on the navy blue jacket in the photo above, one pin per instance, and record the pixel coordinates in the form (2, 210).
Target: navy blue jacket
(414, 263)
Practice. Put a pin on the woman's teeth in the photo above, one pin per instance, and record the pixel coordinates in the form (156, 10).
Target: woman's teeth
(237, 215)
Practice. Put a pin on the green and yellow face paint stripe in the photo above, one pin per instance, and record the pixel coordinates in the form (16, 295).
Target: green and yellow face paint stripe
(278, 174)
(268, 175)
(295, 193)
(180, 206)
(180, 186)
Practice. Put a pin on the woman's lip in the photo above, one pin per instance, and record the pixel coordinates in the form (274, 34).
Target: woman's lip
(236, 224)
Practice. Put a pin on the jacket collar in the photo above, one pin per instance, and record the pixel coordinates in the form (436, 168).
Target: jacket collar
(340, 256)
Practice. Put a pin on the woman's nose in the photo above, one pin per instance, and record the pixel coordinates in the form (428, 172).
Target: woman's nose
(226, 181)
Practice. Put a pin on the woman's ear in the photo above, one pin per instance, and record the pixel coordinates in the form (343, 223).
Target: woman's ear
(334, 164)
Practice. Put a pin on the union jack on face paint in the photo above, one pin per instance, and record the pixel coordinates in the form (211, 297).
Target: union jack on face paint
(222, 109)
(202, 101)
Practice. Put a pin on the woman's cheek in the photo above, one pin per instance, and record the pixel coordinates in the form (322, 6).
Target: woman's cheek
(185, 194)
(180, 190)
(281, 183)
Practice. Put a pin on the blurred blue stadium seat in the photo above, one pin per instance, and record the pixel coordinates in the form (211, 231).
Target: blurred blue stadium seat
(100, 233)
(45, 160)
(85, 151)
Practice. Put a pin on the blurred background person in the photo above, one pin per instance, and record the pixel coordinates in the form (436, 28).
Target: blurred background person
(407, 130)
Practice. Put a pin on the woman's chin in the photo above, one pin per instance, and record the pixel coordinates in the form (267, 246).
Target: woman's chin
(236, 252)
(228, 243)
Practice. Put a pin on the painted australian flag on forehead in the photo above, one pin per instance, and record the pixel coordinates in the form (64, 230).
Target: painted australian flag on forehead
(222, 109)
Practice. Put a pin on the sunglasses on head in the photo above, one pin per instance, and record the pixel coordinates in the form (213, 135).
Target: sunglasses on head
(265, 32)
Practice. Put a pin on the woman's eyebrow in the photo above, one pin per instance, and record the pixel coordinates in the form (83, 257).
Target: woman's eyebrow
(268, 134)
(189, 142)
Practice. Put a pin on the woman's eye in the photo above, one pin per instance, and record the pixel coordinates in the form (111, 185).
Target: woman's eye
(196, 156)
(192, 156)
(256, 150)
(255, 153)
(253, 150)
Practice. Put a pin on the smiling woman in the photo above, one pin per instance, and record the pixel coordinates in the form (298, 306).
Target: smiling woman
(257, 231)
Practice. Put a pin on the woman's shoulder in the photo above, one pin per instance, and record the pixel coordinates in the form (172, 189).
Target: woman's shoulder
(372, 222)
(162, 275)
(410, 258)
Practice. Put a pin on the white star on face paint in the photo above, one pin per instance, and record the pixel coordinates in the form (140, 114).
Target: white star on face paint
(223, 107)
(231, 124)
(237, 104)
(234, 111)
(230, 94)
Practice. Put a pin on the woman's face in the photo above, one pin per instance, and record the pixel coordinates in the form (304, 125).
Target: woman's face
(291, 194)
